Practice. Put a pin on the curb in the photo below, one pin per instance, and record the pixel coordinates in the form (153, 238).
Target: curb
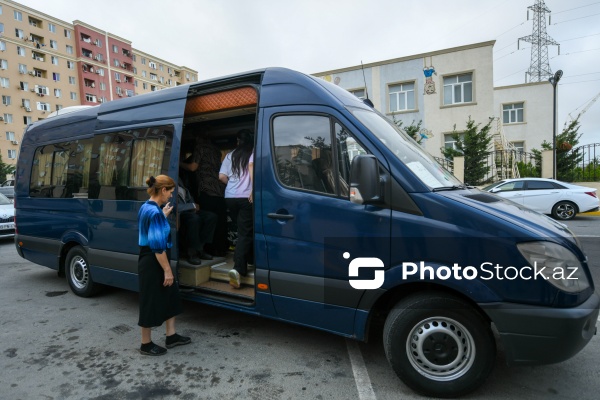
(591, 214)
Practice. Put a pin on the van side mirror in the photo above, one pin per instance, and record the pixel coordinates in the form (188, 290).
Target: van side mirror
(365, 187)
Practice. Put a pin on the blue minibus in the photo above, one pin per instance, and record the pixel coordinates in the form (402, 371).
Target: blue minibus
(354, 225)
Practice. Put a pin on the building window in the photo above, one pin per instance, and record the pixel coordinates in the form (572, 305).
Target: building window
(519, 146)
(512, 113)
(2, 45)
(90, 97)
(19, 34)
(115, 48)
(143, 74)
(143, 60)
(22, 68)
(449, 141)
(153, 76)
(57, 92)
(67, 34)
(10, 136)
(69, 49)
(54, 60)
(21, 51)
(18, 15)
(59, 107)
(402, 97)
(26, 104)
(24, 86)
(135, 70)
(4, 82)
(43, 106)
(27, 120)
(53, 44)
(70, 65)
(73, 96)
(102, 86)
(360, 93)
(1, 27)
(72, 80)
(3, 64)
(117, 77)
(144, 85)
(116, 62)
(458, 89)
(51, 27)
(8, 118)
(12, 154)
(6, 100)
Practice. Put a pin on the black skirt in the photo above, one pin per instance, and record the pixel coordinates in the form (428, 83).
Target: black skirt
(158, 303)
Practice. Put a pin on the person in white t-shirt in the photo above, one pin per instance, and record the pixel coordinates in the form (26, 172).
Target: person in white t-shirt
(236, 172)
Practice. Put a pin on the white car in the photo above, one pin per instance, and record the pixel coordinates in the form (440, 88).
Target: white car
(7, 217)
(547, 196)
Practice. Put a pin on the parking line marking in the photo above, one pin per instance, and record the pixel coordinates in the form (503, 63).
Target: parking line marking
(361, 375)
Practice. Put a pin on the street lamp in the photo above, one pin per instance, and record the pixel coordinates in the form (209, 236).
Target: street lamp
(554, 81)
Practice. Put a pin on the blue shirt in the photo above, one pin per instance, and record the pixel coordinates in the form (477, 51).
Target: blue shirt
(154, 228)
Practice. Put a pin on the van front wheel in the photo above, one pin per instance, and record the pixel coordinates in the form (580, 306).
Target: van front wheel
(439, 345)
(78, 273)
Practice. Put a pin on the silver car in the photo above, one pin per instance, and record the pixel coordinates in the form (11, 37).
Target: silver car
(7, 217)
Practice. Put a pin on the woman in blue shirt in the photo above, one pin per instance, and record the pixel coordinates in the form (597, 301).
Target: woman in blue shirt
(159, 292)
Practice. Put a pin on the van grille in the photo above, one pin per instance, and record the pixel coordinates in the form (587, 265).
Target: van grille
(9, 219)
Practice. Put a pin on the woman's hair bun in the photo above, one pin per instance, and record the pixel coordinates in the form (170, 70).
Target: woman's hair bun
(151, 181)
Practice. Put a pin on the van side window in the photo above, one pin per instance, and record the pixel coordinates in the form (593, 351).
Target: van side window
(122, 161)
(61, 170)
(304, 155)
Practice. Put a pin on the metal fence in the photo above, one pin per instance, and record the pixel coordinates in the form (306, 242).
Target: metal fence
(588, 168)
(506, 164)
(445, 163)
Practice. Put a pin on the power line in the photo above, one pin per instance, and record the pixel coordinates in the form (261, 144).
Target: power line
(576, 8)
(575, 19)
(575, 52)
(581, 37)
(506, 55)
(573, 76)
(573, 83)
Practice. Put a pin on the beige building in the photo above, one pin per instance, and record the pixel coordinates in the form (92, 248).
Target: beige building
(445, 88)
(47, 64)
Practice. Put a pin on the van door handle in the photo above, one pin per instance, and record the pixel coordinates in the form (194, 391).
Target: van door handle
(280, 216)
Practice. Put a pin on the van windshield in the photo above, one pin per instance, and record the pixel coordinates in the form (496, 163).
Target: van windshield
(421, 163)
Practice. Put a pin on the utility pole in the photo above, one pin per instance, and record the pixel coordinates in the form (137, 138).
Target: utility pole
(539, 69)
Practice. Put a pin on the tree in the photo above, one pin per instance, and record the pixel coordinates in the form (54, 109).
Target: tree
(473, 144)
(411, 130)
(5, 169)
(567, 159)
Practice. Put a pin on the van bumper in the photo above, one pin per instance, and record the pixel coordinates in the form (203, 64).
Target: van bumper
(533, 335)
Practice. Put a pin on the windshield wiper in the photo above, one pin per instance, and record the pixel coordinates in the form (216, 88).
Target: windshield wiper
(454, 187)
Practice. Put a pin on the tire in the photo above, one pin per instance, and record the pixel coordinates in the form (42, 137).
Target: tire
(439, 345)
(78, 273)
(564, 210)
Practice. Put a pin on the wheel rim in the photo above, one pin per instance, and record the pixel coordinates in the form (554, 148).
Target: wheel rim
(565, 211)
(79, 272)
(440, 349)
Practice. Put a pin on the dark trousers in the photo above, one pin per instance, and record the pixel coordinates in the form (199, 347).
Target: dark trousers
(240, 210)
(216, 204)
(198, 228)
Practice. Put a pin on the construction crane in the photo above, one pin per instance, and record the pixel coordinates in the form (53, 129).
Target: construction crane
(587, 107)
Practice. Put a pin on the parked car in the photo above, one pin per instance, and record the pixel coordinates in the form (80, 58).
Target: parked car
(548, 196)
(7, 217)
(8, 188)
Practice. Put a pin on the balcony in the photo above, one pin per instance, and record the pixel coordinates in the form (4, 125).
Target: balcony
(89, 83)
(37, 56)
(87, 53)
(87, 68)
(86, 38)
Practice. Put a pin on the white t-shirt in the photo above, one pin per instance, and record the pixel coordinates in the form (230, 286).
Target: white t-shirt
(237, 187)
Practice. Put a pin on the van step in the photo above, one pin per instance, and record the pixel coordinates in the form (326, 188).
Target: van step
(220, 271)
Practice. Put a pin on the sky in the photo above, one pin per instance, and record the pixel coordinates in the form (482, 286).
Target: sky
(221, 37)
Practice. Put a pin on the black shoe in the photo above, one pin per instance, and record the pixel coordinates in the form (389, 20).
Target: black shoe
(206, 256)
(151, 349)
(177, 340)
(195, 260)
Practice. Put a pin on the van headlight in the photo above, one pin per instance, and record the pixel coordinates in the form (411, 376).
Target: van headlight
(558, 265)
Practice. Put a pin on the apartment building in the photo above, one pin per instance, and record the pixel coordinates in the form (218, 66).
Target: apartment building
(47, 64)
(445, 88)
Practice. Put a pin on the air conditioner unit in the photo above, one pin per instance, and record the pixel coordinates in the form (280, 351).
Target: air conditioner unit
(118, 80)
(15, 142)
(41, 58)
(33, 90)
(97, 71)
(22, 72)
(27, 109)
(120, 94)
(93, 85)
(31, 73)
(1, 118)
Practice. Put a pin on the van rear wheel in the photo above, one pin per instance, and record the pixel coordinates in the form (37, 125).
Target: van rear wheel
(78, 273)
(438, 345)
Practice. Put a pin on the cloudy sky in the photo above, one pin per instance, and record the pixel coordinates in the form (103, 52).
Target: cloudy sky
(220, 37)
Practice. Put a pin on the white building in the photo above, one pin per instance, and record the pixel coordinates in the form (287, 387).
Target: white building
(444, 88)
